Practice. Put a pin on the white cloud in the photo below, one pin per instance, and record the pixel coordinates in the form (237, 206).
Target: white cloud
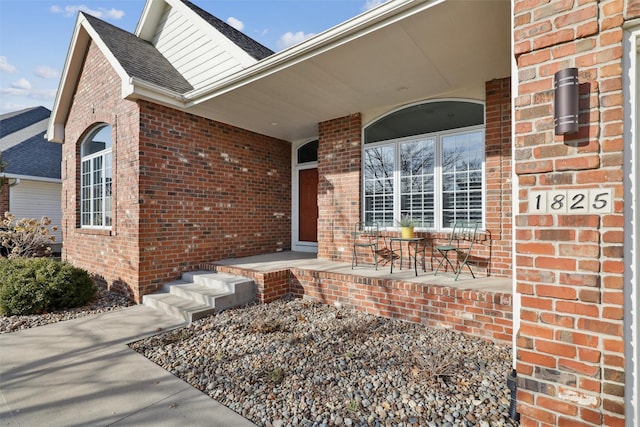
(290, 39)
(370, 4)
(12, 91)
(46, 72)
(100, 12)
(9, 107)
(5, 67)
(40, 94)
(43, 94)
(235, 23)
(22, 84)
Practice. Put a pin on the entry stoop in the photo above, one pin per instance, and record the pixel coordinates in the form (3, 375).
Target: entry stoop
(202, 293)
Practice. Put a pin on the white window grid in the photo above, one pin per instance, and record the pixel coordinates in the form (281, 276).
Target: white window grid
(388, 216)
(95, 190)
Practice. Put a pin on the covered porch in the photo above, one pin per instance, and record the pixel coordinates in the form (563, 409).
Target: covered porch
(480, 306)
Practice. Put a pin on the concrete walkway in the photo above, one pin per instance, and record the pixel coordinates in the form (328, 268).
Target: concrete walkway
(81, 373)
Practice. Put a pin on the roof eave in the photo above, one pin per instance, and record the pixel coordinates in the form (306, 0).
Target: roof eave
(132, 88)
(83, 34)
(30, 177)
(358, 26)
(64, 95)
(141, 89)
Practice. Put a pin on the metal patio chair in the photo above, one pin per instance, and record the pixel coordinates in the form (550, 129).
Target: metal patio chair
(460, 242)
(365, 235)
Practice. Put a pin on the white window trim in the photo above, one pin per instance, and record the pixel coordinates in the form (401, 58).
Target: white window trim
(296, 244)
(631, 75)
(437, 136)
(90, 159)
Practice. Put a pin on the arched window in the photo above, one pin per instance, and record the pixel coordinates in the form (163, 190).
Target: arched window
(425, 161)
(96, 178)
(308, 153)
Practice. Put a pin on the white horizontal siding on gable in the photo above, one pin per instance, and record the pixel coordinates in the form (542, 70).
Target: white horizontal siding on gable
(35, 199)
(193, 52)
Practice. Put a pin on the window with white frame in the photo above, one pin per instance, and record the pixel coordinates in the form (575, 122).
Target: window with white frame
(427, 162)
(96, 178)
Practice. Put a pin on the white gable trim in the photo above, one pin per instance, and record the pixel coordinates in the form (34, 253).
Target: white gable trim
(243, 57)
(198, 51)
(154, 11)
(30, 178)
(631, 75)
(83, 34)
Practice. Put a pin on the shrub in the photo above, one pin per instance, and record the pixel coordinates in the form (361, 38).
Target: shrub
(37, 285)
(27, 237)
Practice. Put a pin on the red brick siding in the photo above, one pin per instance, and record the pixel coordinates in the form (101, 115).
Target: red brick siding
(569, 267)
(483, 314)
(207, 191)
(339, 153)
(187, 190)
(340, 197)
(479, 313)
(496, 242)
(4, 197)
(632, 9)
(112, 256)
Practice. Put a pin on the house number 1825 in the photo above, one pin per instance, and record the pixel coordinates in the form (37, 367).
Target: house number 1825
(582, 201)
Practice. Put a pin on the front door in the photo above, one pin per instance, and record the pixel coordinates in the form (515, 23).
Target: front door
(308, 205)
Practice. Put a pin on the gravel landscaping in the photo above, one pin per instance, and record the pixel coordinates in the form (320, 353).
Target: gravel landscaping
(299, 363)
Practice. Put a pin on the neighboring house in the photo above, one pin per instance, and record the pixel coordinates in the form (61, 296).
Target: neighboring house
(187, 142)
(32, 174)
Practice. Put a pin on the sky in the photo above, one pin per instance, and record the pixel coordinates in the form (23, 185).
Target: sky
(35, 34)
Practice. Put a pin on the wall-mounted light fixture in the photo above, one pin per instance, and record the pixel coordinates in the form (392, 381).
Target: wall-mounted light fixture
(565, 103)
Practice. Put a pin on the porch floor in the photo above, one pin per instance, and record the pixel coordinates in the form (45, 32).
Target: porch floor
(309, 261)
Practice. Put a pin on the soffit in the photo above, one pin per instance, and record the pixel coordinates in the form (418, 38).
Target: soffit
(447, 50)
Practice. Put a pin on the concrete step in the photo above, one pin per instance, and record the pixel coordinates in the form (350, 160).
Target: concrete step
(222, 281)
(201, 293)
(182, 308)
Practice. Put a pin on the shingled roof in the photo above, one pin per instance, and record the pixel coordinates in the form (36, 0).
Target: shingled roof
(246, 43)
(35, 156)
(138, 57)
(14, 121)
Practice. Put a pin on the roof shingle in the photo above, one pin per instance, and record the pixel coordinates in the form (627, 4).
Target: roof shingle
(138, 57)
(12, 122)
(34, 157)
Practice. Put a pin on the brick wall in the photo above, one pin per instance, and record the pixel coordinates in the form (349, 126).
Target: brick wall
(339, 152)
(495, 244)
(569, 268)
(186, 190)
(478, 313)
(111, 255)
(207, 191)
(339, 198)
(474, 312)
(4, 197)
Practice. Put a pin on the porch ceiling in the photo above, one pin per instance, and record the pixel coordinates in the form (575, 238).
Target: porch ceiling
(430, 49)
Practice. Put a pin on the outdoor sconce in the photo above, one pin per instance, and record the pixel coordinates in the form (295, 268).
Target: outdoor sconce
(565, 103)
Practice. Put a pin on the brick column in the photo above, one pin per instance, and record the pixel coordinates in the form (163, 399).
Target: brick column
(569, 266)
(339, 159)
(498, 175)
